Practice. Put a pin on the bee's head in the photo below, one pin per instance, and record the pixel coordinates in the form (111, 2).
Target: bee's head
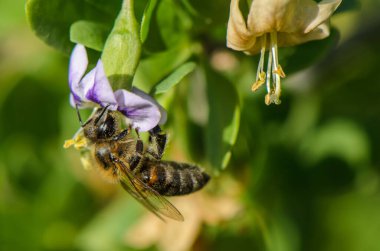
(102, 125)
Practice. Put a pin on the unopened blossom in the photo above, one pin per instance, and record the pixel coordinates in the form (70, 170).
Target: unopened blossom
(272, 24)
(94, 89)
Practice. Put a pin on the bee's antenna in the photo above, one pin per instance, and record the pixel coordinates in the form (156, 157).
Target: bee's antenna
(101, 114)
(79, 117)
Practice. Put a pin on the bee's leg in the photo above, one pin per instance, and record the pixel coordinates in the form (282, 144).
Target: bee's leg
(136, 158)
(121, 135)
(103, 111)
(157, 140)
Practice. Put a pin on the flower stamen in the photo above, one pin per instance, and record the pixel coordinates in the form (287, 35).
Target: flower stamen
(277, 70)
(269, 69)
(273, 70)
(280, 72)
(260, 74)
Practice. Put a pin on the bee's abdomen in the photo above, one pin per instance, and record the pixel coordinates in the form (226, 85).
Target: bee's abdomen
(170, 178)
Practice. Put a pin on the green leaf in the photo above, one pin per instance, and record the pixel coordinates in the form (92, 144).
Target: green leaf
(90, 34)
(151, 70)
(145, 22)
(51, 20)
(223, 119)
(174, 78)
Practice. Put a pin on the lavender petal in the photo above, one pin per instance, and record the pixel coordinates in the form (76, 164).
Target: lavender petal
(142, 113)
(145, 96)
(78, 91)
(77, 68)
(101, 91)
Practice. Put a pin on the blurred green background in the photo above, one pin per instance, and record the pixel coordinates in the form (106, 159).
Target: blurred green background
(308, 169)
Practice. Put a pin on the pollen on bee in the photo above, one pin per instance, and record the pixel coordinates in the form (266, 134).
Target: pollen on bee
(68, 143)
(78, 141)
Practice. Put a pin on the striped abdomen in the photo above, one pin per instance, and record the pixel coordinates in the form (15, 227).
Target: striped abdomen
(170, 178)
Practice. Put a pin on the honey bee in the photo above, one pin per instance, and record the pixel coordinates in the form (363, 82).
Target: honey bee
(122, 158)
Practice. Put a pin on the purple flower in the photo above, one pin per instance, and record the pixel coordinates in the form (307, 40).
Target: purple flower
(94, 89)
(91, 89)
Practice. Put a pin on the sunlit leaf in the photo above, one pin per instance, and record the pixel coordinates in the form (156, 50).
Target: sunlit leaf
(90, 34)
(153, 69)
(145, 22)
(174, 78)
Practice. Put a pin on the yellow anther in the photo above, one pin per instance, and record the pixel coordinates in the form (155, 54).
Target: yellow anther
(259, 82)
(272, 98)
(267, 99)
(279, 71)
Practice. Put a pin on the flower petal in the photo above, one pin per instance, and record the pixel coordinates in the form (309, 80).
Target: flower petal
(83, 104)
(293, 20)
(320, 32)
(280, 15)
(78, 97)
(87, 82)
(101, 91)
(289, 16)
(268, 15)
(238, 36)
(325, 10)
(142, 113)
(145, 96)
(73, 102)
(77, 68)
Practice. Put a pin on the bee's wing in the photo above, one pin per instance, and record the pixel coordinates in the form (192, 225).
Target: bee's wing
(146, 195)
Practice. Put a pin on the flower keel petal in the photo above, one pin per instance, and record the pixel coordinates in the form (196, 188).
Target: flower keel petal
(142, 113)
(145, 96)
(101, 92)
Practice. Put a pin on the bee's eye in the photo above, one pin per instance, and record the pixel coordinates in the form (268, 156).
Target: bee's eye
(107, 128)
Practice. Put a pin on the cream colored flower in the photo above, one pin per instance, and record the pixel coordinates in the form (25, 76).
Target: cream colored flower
(277, 23)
